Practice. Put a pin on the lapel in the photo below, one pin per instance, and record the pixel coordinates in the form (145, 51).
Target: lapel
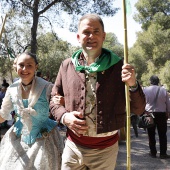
(36, 90)
(81, 74)
(37, 87)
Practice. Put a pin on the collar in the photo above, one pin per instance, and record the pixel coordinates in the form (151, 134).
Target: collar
(103, 62)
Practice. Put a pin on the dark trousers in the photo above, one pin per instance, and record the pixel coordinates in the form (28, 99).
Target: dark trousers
(161, 125)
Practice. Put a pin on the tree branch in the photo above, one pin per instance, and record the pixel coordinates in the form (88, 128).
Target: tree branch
(26, 4)
(51, 27)
(48, 6)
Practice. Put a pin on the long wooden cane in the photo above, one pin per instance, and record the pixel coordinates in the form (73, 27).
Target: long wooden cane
(128, 143)
(3, 24)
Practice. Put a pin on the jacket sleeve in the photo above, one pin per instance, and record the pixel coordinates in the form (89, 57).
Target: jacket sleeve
(57, 110)
(137, 101)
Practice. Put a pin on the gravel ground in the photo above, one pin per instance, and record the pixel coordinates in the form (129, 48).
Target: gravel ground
(139, 152)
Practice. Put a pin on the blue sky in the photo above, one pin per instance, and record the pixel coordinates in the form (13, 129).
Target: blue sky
(115, 24)
(112, 24)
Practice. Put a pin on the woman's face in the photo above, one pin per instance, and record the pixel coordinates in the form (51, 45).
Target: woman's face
(26, 68)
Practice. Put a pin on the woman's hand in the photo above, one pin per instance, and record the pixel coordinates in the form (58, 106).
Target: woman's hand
(58, 99)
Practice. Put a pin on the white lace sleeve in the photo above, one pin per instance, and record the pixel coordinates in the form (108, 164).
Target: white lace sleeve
(6, 107)
(48, 91)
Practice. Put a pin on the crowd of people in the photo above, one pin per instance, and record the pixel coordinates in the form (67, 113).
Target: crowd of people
(88, 98)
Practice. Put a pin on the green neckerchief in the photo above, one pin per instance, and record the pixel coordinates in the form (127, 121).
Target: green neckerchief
(105, 61)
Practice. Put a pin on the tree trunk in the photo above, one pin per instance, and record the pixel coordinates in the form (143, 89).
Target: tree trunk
(34, 28)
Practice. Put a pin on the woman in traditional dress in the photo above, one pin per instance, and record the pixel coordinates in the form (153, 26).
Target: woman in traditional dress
(33, 142)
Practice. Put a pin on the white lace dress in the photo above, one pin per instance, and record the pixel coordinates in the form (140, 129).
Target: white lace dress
(33, 142)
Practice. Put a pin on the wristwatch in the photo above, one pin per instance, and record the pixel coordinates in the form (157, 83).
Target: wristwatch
(133, 88)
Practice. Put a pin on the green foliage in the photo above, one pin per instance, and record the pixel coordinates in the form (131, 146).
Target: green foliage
(148, 10)
(165, 75)
(3, 68)
(151, 52)
(136, 58)
(6, 66)
(50, 55)
(112, 44)
(151, 70)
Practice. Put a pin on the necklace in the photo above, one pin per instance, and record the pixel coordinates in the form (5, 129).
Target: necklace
(26, 87)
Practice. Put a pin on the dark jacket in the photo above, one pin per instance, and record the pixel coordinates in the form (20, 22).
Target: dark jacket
(110, 94)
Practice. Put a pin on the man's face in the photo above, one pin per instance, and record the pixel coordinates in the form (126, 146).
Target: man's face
(91, 35)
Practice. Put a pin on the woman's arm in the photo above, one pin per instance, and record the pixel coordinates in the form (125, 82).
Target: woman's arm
(2, 120)
(6, 108)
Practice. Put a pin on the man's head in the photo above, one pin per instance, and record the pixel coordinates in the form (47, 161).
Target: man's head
(91, 33)
(93, 17)
(5, 84)
(154, 80)
(38, 74)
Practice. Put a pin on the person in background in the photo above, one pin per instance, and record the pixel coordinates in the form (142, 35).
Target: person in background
(33, 142)
(134, 122)
(39, 74)
(2, 92)
(169, 101)
(5, 84)
(92, 83)
(160, 112)
(2, 95)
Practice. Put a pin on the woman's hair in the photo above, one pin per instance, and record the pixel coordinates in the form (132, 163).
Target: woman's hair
(154, 80)
(25, 53)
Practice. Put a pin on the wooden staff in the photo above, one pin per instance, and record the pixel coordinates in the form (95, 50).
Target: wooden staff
(3, 24)
(128, 142)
